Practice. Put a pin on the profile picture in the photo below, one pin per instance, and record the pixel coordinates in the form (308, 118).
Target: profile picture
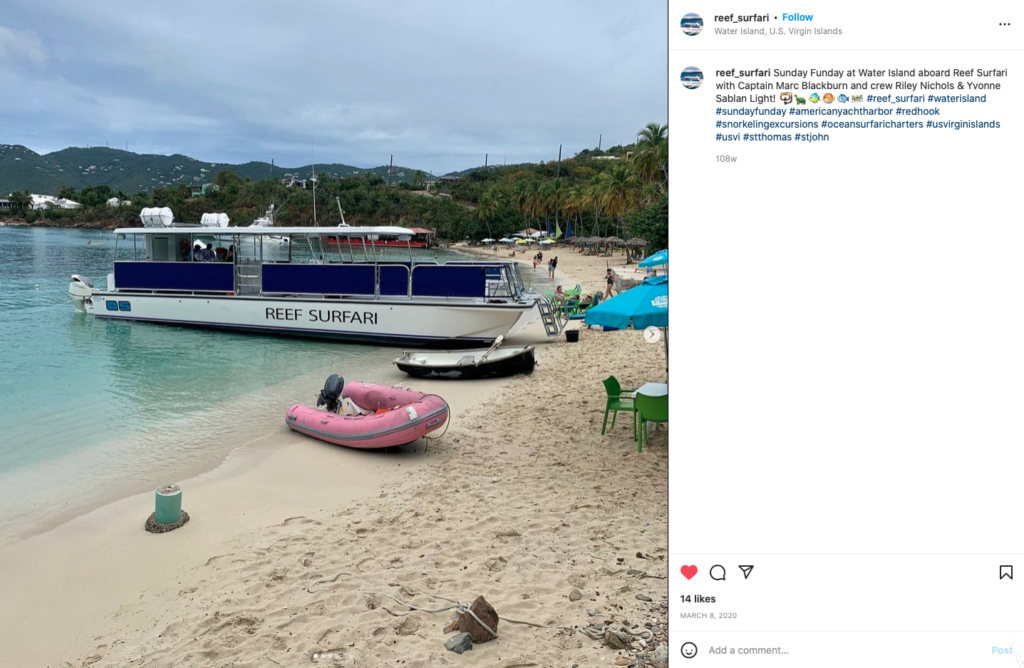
(692, 77)
(692, 24)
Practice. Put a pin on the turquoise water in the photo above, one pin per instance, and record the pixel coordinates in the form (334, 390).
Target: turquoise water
(92, 410)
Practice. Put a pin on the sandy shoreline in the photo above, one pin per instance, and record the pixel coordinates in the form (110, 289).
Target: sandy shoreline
(522, 501)
(573, 266)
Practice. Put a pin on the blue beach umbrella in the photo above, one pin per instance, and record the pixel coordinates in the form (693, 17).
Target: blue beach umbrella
(658, 259)
(646, 305)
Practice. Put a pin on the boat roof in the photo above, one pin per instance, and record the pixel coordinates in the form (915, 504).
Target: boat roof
(270, 231)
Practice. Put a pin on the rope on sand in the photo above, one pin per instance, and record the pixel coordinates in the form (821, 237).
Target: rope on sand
(461, 607)
(318, 582)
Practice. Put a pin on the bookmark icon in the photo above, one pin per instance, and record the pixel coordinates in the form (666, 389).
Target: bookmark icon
(746, 571)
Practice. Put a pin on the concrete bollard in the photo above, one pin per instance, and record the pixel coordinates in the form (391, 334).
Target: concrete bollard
(168, 503)
(168, 514)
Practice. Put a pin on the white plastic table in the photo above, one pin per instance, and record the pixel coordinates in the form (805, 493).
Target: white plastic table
(653, 390)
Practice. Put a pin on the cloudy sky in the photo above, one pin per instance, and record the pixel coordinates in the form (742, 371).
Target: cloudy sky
(436, 82)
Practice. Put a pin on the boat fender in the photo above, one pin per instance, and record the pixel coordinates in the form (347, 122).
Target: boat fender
(412, 412)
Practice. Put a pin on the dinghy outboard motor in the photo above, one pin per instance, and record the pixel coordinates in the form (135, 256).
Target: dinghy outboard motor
(330, 396)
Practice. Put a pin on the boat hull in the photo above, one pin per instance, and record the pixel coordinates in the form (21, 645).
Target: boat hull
(397, 322)
(521, 363)
(409, 416)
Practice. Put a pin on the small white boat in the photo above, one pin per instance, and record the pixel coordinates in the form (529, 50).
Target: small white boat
(459, 364)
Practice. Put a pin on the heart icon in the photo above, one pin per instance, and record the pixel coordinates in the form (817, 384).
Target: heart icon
(688, 571)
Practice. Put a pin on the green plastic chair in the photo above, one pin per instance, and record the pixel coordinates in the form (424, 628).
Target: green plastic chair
(619, 399)
(649, 409)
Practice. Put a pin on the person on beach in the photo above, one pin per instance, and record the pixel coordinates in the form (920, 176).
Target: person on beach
(560, 295)
(535, 263)
(609, 279)
(551, 269)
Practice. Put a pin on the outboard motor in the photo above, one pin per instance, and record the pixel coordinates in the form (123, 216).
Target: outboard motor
(80, 290)
(330, 396)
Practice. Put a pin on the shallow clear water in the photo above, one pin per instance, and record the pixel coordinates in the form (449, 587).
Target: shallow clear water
(92, 410)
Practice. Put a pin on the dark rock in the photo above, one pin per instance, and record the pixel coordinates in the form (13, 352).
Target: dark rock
(152, 526)
(459, 643)
(646, 599)
(575, 595)
(616, 637)
(487, 614)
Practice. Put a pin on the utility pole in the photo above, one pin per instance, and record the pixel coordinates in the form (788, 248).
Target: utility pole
(559, 160)
(599, 138)
(313, 179)
(485, 161)
(391, 168)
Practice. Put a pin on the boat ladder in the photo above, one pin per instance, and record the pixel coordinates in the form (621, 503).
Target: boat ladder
(248, 278)
(551, 316)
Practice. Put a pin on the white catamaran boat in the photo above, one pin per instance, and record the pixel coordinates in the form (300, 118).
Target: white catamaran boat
(312, 286)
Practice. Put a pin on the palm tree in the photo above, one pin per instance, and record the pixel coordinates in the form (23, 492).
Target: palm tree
(620, 196)
(487, 208)
(535, 200)
(20, 199)
(575, 200)
(595, 194)
(546, 203)
(520, 197)
(649, 193)
(651, 157)
(417, 177)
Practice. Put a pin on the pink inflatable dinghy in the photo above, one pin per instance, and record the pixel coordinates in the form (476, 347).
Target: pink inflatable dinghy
(397, 416)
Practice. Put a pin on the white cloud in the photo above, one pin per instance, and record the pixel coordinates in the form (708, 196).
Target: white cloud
(21, 45)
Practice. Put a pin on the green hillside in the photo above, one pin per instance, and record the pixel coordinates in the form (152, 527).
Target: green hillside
(24, 169)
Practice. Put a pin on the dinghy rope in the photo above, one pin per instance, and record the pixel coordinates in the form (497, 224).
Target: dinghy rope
(461, 607)
(447, 423)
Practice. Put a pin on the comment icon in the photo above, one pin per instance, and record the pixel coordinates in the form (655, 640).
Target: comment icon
(717, 572)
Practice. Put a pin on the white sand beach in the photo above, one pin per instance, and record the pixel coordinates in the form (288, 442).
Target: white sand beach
(521, 501)
(573, 266)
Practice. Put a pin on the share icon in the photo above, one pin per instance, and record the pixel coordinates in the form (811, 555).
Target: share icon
(746, 571)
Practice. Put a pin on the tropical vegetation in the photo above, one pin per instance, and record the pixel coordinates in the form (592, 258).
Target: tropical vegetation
(621, 192)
